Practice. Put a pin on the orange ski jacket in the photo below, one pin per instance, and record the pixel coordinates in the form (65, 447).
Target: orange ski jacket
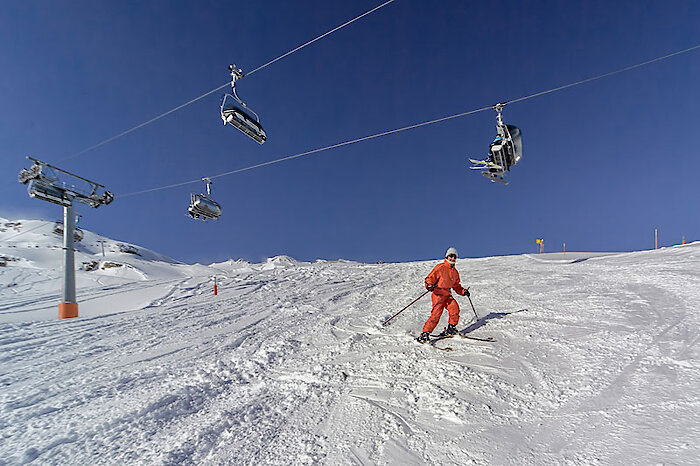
(445, 277)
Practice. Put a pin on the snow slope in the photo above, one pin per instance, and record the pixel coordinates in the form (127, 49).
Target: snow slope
(127, 277)
(289, 364)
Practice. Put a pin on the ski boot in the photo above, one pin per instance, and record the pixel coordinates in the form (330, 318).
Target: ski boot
(424, 337)
(450, 331)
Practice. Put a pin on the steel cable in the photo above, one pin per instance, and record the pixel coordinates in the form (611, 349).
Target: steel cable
(124, 133)
(313, 151)
(406, 128)
(23, 232)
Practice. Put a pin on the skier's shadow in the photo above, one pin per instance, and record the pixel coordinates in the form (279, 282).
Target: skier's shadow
(483, 320)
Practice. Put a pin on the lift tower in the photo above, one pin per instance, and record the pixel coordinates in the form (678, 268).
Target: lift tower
(58, 186)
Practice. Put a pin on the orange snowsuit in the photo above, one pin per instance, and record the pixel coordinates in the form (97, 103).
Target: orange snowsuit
(445, 277)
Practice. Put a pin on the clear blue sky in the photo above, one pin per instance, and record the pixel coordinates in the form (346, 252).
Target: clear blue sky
(604, 163)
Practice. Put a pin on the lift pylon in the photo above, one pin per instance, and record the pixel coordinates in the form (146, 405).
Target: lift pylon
(45, 182)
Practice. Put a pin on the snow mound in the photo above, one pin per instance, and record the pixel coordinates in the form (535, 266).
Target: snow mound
(233, 266)
(568, 257)
(281, 262)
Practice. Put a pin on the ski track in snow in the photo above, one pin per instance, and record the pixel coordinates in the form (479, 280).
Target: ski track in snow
(291, 365)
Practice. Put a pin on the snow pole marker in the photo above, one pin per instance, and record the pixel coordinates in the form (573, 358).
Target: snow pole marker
(656, 238)
(215, 289)
(412, 302)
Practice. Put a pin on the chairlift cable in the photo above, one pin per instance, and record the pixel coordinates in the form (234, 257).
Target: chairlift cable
(605, 75)
(124, 133)
(314, 151)
(318, 38)
(406, 128)
(23, 232)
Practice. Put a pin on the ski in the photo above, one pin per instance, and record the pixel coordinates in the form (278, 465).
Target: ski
(435, 340)
(432, 343)
(489, 339)
(469, 337)
(485, 164)
(447, 349)
(490, 170)
(494, 177)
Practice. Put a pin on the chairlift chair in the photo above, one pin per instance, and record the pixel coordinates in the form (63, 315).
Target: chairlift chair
(44, 182)
(203, 206)
(236, 113)
(505, 151)
(46, 191)
(78, 234)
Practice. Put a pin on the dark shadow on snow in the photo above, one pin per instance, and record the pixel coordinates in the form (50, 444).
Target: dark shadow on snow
(483, 320)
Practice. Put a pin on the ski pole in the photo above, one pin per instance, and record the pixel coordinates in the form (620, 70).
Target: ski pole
(470, 302)
(419, 297)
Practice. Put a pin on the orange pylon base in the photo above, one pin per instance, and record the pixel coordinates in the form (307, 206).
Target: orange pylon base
(67, 310)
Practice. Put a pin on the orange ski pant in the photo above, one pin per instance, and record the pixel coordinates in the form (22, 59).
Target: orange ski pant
(441, 302)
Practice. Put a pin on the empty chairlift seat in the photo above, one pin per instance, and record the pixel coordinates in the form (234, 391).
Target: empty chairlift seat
(236, 113)
(237, 117)
(203, 206)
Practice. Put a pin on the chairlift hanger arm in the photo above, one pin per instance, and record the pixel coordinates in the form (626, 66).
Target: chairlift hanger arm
(64, 171)
(236, 73)
(499, 109)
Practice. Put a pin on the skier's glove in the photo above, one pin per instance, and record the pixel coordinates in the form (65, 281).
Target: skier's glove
(429, 287)
(466, 293)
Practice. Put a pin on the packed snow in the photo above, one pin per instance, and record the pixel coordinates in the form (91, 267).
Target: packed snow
(595, 359)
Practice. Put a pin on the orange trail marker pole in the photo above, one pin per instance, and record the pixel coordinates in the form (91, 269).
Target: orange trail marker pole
(215, 290)
(656, 238)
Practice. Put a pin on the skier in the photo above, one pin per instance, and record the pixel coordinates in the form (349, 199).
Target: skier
(497, 144)
(440, 281)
